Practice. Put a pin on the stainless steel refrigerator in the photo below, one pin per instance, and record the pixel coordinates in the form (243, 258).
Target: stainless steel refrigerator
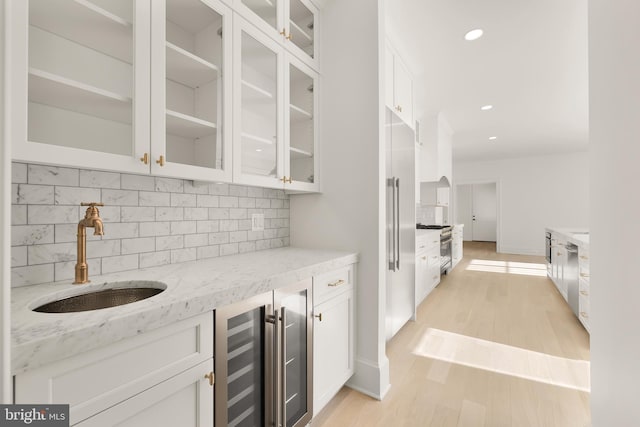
(401, 223)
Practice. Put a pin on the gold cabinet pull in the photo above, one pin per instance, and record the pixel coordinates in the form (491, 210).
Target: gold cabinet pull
(424, 257)
(160, 161)
(584, 257)
(283, 32)
(584, 275)
(337, 283)
(319, 316)
(211, 377)
(284, 179)
(584, 314)
(145, 159)
(585, 293)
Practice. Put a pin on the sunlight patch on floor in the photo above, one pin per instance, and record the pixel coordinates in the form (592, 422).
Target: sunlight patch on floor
(508, 267)
(504, 359)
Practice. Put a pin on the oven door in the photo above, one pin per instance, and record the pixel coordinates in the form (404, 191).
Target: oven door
(445, 254)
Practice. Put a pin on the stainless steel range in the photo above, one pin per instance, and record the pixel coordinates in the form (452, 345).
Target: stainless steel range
(445, 244)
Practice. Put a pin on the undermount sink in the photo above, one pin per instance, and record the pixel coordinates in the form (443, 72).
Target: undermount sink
(117, 293)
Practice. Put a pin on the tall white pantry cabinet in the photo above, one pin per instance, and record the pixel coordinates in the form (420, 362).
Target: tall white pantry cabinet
(160, 87)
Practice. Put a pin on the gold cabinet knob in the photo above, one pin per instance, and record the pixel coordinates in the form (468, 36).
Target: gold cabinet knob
(424, 257)
(145, 159)
(211, 377)
(319, 316)
(284, 179)
(160, 161)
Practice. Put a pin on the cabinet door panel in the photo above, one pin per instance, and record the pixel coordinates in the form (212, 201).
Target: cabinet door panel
(184, 400)
(191, 63)
(388, 71)
(301, 35)
(258, 128)
(403, 91)
(300, 117)
(333, 347)
(79, 78)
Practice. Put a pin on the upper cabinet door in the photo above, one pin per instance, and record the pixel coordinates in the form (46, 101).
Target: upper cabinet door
(388, 80)
(79, 77)
(191, 95)
(301, 124)
(403, 91)
(258, 120)
(292, 23)
(300, 31)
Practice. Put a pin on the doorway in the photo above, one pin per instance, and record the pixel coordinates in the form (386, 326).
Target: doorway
(477, 209)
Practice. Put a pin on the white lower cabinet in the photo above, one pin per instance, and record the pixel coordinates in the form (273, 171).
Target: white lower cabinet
(427, 264)
(160, 377)
(456, 245)
(333, 334)
(584, 304)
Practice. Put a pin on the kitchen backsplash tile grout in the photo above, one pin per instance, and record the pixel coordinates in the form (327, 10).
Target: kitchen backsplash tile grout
(149, 221)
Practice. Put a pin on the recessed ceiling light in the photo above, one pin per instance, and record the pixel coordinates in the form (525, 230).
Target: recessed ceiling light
(486, 107)
(258, 149)
(473, 34)
(493, 138)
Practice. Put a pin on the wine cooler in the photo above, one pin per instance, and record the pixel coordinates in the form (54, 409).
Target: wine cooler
(263, 361)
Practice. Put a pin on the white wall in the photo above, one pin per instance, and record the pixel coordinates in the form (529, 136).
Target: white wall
(614, 67)
(5, 237)
(533, 193)
(350, 212)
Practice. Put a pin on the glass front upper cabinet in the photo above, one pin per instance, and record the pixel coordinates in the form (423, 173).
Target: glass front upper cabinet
(76, 73)
(291, 22)
(194, 40)
(301, 136)
(258, 130)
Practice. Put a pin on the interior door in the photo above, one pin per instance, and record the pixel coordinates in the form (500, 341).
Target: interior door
(464, 209)
(484, 212)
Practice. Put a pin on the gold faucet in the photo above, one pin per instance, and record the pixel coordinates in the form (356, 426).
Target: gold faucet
(92, 220)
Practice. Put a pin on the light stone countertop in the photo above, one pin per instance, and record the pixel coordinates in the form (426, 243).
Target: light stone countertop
(192, 288)
(574, 235)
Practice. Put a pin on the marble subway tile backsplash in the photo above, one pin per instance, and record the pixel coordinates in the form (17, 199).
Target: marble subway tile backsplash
(149, 221)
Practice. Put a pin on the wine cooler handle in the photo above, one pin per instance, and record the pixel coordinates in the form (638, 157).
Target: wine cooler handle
(283, 367)
(276, 340)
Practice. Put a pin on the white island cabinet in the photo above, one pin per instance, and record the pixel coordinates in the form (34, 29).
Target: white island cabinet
(161, 377)
(333, 334)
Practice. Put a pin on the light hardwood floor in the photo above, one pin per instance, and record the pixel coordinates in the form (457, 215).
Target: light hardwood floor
(489, 347)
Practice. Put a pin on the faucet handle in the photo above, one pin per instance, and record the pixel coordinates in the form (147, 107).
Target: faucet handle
(92, 204)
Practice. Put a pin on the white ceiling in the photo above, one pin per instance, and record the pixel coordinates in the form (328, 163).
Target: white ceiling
(531, 65)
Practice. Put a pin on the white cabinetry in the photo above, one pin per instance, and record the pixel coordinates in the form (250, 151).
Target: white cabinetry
(457, 244)
(427, 263)
(292, 23)
(398, 87)
(160, 373)
(275, 126)
(81, 94)
(558, 263)
(436, 157)
(333, 334)
(584, 304)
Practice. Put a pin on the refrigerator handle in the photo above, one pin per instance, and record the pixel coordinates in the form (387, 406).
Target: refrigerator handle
(397, 245)
(392, 260)
(283, 367)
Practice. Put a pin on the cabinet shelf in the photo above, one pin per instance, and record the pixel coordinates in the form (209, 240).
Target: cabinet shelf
(86, 24)
(257, 138)
(57, 91)
(297, 153)
(298, 33)
(188, 69)
(188, 126)
(254, 91)
(299, 114)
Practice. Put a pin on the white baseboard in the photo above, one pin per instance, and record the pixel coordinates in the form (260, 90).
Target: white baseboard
(371, 378)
